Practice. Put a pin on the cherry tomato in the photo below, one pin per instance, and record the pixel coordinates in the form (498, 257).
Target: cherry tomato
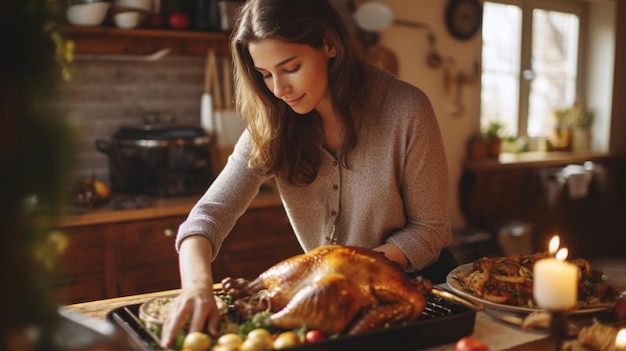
(314, 335)
(469, 343)
(178, 20)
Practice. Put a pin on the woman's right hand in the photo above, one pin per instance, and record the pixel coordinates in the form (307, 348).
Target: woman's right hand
(195, 305)
(196, 302)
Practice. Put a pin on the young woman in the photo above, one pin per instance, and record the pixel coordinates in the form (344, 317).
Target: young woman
(356, 154)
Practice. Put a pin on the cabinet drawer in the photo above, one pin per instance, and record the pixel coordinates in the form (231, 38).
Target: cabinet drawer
(148, 279)
(147, 242)
(248, 265)
(261, 238)
(85, 252)
(266, 228)
(80, 288)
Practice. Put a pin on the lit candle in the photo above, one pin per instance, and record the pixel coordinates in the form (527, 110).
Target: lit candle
(620, 340)
(555, 282)
(554, 244)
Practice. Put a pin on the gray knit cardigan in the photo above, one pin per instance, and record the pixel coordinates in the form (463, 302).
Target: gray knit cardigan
(395, 189)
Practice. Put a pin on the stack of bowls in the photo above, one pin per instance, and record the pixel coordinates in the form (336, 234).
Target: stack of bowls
(87, 12)
(128, 14)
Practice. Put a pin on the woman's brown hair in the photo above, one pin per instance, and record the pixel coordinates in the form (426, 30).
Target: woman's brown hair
(285, 143)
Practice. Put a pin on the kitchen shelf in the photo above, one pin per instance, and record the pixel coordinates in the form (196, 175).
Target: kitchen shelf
(110, 40)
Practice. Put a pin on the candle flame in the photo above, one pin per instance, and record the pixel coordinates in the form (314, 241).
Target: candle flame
(562, 254)
(555, 242)
(620, 340)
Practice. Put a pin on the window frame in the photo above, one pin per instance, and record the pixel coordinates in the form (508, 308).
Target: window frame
(576, 7)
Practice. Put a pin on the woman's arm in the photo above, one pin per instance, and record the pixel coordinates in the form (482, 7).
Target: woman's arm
(196, 302)
(425, 183)
(393, 253)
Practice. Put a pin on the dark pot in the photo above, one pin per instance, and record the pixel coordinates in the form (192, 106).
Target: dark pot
(163, 160)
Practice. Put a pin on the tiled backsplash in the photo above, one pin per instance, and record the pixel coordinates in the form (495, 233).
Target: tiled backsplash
(106, 94)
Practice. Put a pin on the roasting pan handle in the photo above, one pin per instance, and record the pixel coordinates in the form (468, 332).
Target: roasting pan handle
(474, 305)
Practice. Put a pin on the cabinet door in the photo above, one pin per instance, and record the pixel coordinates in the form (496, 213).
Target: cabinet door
(146, 259)
(261, 238)
(82, 274)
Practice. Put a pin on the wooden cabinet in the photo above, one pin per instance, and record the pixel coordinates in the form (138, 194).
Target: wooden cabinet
(82, 276)
(133, 257)
(493, 194)
(260, 239)
(145, 257)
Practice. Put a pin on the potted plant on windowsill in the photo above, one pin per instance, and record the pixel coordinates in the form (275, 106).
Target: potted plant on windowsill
(578, 121)
(493, 137)
(477, 147)
(582, 119)
(487, 143)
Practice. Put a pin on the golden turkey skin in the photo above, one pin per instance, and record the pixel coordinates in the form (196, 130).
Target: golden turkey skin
(341, 289)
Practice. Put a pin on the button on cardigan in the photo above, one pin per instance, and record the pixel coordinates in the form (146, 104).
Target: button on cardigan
(395, 189)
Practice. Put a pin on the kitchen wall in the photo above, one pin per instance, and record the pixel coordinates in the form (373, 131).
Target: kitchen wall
(105, 94)
(603, 81)
(412, 47)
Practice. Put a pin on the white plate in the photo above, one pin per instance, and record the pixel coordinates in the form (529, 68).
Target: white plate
(454, 278)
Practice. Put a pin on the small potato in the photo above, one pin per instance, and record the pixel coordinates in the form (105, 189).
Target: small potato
(254, 345)
(286, 340)
(230, 339)
(260, 334)
(219, 347)
(197, 341)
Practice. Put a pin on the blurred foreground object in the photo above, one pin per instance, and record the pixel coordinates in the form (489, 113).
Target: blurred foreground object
(34, 155)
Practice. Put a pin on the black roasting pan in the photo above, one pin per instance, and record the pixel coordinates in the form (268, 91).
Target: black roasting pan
(443, 321)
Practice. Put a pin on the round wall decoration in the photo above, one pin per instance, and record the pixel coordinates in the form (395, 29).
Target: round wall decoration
(463, 18)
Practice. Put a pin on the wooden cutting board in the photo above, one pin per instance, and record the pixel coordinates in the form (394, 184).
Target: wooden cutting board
(546, 344)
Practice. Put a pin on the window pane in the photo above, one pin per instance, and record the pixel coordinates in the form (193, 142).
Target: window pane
(554, 62)
(500, 64)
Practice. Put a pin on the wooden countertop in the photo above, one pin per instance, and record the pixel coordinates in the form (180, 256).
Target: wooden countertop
(161, 207)
(498, 335)
(541, 159)
(99, 309)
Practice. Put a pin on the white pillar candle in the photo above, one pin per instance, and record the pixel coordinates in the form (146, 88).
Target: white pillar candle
(620, 340)
(555, 284)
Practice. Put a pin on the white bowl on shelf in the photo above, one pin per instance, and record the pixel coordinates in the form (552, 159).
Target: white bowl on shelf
(88, 14)
(127, 19)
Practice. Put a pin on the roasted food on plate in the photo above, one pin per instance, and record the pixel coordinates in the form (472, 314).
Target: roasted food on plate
(509, 281)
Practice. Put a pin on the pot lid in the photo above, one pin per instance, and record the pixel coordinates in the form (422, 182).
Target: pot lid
(159, 132)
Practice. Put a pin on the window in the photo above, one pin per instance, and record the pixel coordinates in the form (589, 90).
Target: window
(530, 63)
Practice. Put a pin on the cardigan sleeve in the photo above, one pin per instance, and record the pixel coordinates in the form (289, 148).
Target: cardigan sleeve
(226, 199)
(424, 182)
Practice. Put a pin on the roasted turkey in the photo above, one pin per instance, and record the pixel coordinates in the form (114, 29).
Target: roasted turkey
(341, 289)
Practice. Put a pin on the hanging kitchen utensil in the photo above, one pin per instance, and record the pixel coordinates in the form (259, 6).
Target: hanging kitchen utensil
(232, 127)
(207, 120)
(228, 124)
(434, 59)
